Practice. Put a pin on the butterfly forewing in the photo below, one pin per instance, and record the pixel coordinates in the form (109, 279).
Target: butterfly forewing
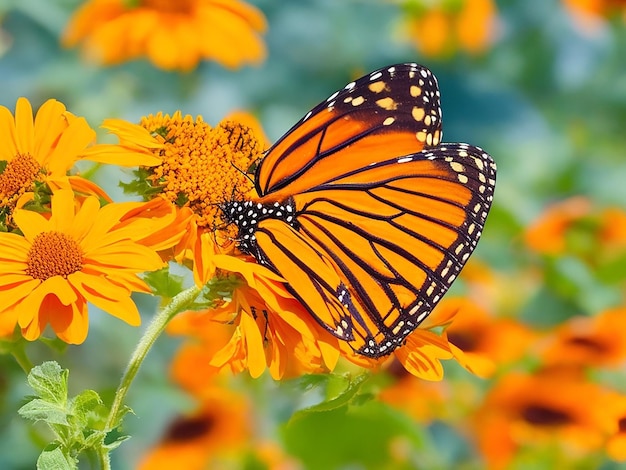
(389, 112)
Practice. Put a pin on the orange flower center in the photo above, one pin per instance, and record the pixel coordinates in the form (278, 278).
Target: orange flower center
(178, 6)
(465, 341)
(188, 429)
(18, 177)
(622, 425)
(539, 415)
(588, 343)
(53, 254)
(203, 167)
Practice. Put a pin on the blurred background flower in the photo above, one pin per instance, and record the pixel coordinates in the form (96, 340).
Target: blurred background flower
(172, 35)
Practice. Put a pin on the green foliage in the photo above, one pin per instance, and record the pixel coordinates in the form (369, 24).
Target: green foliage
(78, 423)
(164, 283)
(141, 184)
(341, 390)
(348, 435)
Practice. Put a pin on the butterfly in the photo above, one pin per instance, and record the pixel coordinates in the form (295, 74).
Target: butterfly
(364, 212)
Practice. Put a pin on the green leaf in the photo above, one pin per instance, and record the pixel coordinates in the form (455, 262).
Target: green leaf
(88, 410)
(93, 440)
(42, 410)
(49, 381)
(141, 185)
(164, 283)
(352, 437)
(53, 458)
(114, 444)
(343, 389)
(310, 381)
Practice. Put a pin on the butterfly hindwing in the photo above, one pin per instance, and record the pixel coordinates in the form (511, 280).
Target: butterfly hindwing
(389, 112)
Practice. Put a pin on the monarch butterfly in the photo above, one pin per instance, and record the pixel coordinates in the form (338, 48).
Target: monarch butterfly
(362, 210)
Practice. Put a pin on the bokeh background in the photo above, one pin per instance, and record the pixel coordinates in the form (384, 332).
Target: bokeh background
(540, 85)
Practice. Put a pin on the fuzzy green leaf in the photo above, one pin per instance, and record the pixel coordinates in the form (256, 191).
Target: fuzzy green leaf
(53, 458)
(49, 381)
(88, 410)
(43, 410)
(163, 283)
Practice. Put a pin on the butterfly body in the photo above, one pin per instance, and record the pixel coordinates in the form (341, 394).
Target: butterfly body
(364, 213)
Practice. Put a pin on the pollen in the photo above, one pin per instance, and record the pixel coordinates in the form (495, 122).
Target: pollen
(53, 254)
(203, 167)
(18, 177)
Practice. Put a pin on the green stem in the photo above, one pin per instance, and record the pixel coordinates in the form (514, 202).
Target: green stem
(19, 354)
(153, 331)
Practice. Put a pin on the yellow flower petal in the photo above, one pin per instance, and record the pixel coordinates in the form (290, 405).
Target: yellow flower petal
(254, 346)
(70, 322)
(70, 145)
(50, 122)
(8, 149)
(109, 297)
(25, 135)
(31, 223)
(119, 155)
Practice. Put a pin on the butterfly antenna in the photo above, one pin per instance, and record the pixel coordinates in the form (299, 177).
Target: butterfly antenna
(244, 173)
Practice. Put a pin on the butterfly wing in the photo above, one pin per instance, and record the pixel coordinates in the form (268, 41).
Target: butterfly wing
(389, 112)
(374, 249)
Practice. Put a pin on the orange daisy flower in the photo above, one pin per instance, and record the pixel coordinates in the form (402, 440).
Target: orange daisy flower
(547, 234)
(548, 409)
(480, 342)
(442, 28)
(616, 444)
(576, 227)
(589, 341)
(36, 155)
(265, 327)
(262, 327)
(218, 429)
(193, 167)
(172, 35)
(74, 256)
(434, 397)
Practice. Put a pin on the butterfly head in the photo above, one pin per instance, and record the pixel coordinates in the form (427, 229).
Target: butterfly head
(246, 216)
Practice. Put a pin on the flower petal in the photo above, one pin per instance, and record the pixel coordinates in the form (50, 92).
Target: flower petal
(70, 145)
(50, 122)
(107, 296)
(8, 149)
(25, 129)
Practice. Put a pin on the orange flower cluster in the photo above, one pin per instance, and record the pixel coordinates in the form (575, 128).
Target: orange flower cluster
(68, 250)
(575, 226)
(544, 384)
(59, 248)
(440, 28)
(195, 168)
(172, 35)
